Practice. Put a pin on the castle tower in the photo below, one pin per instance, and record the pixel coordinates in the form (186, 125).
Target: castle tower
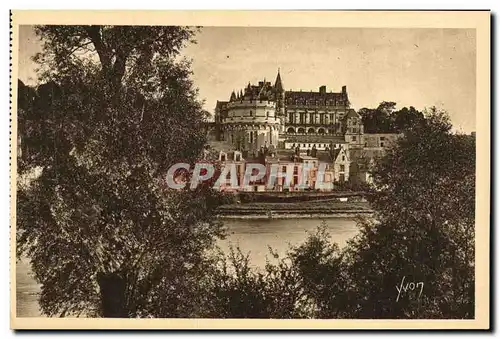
(280, 101)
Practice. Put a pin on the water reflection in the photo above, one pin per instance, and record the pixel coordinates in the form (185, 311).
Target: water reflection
(255, 236)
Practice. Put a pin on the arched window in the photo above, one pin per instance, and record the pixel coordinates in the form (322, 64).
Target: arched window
(311, 130)
(301, 130)
(321, 131)
(290, 130)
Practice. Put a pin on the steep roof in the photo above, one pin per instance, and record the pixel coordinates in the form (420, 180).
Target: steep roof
(278, 85)
(300, 95)
(352, 114)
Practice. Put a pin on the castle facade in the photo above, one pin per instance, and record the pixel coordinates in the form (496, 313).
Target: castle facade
(265, 114)
(266, 120)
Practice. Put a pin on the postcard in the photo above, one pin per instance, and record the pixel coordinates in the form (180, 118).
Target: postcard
(250, 170)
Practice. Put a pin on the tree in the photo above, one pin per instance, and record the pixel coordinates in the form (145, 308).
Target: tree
(104, 235)
(414, 259)
(424, 229)
(378, 120)
(405, 118)
(386, 119)
(234, 289)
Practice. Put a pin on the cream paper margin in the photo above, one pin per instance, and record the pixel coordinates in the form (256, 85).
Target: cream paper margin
(480, 20)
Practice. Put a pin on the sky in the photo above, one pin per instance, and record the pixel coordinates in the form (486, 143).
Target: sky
(413, 67)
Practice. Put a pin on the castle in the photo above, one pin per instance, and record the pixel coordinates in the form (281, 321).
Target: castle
(321, 124)
(265, 114)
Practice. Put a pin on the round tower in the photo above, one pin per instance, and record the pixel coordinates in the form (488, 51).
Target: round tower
(252, 122)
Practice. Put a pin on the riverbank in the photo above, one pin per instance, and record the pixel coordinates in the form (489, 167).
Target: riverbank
(303, 210)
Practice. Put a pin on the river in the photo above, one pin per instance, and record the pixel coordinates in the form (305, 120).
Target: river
(252, 236)
(256, 235)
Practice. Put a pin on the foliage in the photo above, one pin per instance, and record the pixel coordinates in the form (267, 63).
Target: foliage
(104, 235)
(422, 232)
(424, 202)
(386, 119)
(235, 289)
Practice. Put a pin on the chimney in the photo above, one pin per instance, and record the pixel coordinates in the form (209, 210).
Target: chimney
(322, 90)
(344, 89)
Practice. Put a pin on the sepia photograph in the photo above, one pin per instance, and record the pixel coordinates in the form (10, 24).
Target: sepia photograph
(259, 168)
